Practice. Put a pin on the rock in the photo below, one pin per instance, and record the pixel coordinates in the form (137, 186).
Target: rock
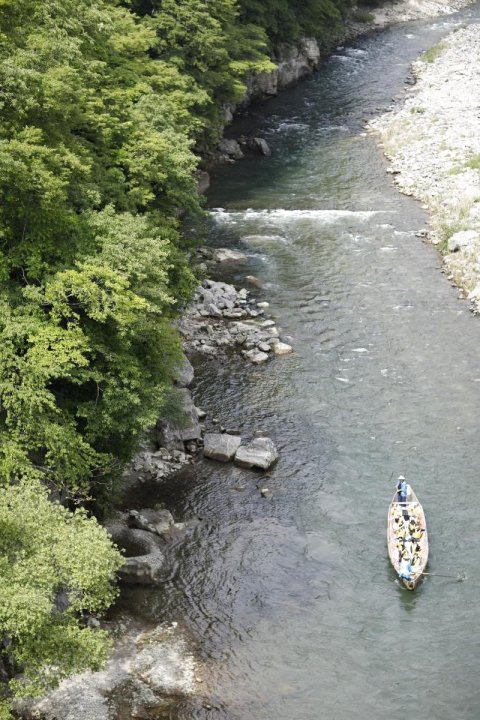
(255, 356)
(463, 240)
(213, 310)
(172, 433)
(225, 255)
(254, 281)
(281, 348)
(263, 305)
(203, 182)
(266, 493)
(267, 324)
(185, 373)
(144, 559)
(259, 453)
(264, 347)
(154, 521)
(144, 674)
(221, 447)
(230, 148)
(201, 414)
(260, 146)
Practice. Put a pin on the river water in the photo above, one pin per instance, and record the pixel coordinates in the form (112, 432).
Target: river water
(292, 602)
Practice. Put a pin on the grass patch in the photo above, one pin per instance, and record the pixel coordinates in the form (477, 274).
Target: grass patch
(473, 163)
(430, 55)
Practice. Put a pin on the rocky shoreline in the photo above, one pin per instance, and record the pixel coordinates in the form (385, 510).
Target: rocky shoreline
(433, 143)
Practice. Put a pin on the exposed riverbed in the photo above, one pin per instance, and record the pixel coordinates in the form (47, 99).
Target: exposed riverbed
(292, 601)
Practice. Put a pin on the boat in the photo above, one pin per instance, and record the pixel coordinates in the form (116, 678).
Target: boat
(407, 538)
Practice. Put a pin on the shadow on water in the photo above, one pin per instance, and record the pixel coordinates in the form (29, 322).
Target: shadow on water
(295, 608)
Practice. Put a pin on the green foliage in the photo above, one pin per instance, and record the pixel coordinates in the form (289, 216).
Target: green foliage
(473, 163)
(285, 21)
(430, 55)
(54, 565)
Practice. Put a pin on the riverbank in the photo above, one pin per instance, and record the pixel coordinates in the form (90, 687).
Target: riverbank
(294, 64)
(433, 143)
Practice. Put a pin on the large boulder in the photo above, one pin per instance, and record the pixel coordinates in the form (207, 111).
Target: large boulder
(184, 373)
(230, 148)
(221, 446)
(143, 558)
(173, 433)
(259, 453)
(159, 522)
(259, 145)
(225, 255)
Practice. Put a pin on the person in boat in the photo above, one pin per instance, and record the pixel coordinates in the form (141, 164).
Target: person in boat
(403, 489)
(417, 532)
(406, 570)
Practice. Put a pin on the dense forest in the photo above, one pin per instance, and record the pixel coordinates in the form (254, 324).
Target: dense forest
(104, 105)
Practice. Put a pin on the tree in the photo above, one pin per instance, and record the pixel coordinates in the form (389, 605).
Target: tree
(54, 565)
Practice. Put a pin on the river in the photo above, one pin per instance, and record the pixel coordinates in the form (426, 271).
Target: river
(291, 601)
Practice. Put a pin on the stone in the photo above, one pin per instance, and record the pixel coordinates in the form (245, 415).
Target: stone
(173, 433)
(256, 357)
(260, 146)
(154, 521)
(463, 240)
(267, 324)
(184, 374)
(225, 255)
(213, 310)
(221, 447)
(281, 348)
(260, 453)
(201, 414)
(264, 347)
(143, 557)
(266, 493)
(230, 148)
(254, 281)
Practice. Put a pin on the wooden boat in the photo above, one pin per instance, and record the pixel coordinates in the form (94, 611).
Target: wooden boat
(407, 538)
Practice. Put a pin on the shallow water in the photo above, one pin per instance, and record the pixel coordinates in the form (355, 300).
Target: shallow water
(293, 604)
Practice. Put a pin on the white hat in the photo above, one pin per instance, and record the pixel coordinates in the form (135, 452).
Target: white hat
(400, 477)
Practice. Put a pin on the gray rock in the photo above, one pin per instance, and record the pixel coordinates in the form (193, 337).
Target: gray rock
(184, 374)
(221, 447)
(213, 310)
(174, 433)
(154, 521)
(264, 347)
(281, 348)
(260, 146)
(144, 559)
(225, 255)
(259, 453)
(256, 357)
(230, 148)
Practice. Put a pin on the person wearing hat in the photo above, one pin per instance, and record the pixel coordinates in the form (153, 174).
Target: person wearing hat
(402, 489)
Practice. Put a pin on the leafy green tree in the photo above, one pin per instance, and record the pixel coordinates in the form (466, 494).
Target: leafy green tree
(54, 565)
